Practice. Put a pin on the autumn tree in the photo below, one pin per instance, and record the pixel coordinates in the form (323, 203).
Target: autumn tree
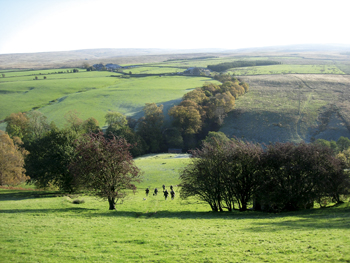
(73, 120)
(187, 117)
(17, 125)
(86, 65)
(38, 124)
(11, 160)
(105, 167)
(197, 95)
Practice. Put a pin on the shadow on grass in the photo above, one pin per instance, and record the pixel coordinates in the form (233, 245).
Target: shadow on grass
(73, 210)
(326, 218)
(10, 195)
(333, 218)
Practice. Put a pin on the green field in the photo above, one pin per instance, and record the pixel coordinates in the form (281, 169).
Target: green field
(90, 93)
(50, 228)
(154, 70)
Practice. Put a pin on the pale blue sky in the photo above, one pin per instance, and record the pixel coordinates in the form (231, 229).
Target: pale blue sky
(46, 25)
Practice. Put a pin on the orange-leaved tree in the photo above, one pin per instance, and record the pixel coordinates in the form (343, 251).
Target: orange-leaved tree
(11, 160)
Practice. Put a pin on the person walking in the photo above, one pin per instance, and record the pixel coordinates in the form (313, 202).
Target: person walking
(155, 191)
(166, 194)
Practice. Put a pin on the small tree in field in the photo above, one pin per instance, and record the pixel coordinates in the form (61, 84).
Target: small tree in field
(105, 167)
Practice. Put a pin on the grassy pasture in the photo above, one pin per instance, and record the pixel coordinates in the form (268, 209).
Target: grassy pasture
(286, 69)
(127, 96)
(91, 93)
(50, 228)
(153, 70)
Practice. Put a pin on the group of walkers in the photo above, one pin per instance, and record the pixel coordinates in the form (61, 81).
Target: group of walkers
(165, 192)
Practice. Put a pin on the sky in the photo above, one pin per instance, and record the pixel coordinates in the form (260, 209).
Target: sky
(45, 25)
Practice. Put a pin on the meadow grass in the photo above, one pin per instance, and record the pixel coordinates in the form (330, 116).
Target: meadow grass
(161, 169)
(286, 69)
(127, 96)
(48, 227)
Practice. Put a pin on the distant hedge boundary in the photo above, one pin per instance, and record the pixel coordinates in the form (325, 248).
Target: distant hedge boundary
(239, 64)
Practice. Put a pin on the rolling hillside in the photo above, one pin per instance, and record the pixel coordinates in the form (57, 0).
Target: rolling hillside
(306, 97)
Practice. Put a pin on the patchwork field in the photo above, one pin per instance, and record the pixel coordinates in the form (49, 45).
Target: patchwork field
(303, 98)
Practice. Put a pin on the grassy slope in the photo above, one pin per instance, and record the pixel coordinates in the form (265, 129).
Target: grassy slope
(91, 93)
(270, 111)
(272, 103)
(52, 229)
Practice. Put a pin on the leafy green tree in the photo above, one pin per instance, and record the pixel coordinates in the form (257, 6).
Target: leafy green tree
(330, 144)
(343, 143)
(137, 144)
(344, 156)
(222, 174)
(105, 167)
(150, 127)
(49, 158)
(296, 175)
(90, 125)
(216, 138)
(173, 138)
(11, 160)
(117, 119)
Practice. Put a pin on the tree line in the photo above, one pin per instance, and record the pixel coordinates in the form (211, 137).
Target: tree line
(241, 63)
(203, 110)
(76, 157)
(227, 174)
(280, 177)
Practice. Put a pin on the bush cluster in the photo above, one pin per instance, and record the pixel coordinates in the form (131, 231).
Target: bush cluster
(279, 177)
